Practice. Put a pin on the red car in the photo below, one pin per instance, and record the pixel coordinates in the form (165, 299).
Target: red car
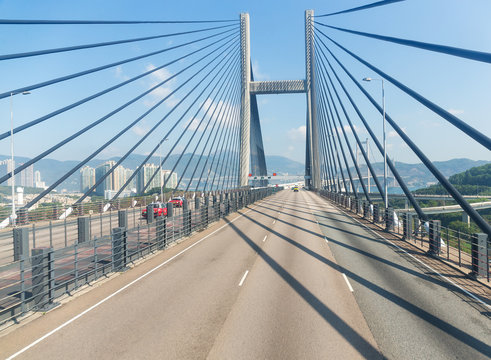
(177, 201)
(159, 209)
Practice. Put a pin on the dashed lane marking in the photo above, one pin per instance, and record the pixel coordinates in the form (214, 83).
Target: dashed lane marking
(243, 278)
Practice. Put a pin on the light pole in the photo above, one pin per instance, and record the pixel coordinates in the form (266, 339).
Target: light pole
(12, 180)
(386, 199)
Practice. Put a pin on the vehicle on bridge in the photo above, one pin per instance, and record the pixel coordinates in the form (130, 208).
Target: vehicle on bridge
(295, 188)
(159, 209)
(177, 201)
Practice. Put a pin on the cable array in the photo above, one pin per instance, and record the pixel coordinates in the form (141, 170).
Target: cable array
(190, 117)
(328, 114)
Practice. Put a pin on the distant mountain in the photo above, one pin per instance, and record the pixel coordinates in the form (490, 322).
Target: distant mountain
(416, 175)
(283, 165)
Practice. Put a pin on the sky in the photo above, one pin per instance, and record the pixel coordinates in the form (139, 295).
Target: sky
(462, 87)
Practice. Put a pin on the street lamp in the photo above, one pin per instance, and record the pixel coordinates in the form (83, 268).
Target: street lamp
(386, 200)
(12, 181)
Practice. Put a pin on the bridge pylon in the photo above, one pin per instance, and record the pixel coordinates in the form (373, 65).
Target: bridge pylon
(251, 88)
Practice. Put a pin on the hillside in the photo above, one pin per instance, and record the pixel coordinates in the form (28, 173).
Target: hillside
(415, 175)
(51, 170)
(474, 181)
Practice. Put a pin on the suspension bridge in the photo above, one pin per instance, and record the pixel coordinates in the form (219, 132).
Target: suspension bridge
(188, 251)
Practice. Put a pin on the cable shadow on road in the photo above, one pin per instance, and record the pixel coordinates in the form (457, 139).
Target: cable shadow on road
(366, 349)
(444, 326)
(288, 214)
(285, 222)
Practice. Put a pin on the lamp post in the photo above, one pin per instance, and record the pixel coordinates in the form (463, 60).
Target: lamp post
(386, 200)
(12, 180)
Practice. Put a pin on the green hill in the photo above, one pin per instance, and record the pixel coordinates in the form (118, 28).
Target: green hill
(475, 181)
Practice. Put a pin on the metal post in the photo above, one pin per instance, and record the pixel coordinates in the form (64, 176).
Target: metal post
(43, 280)
(245, 109)
(389, 219)
(170, 209)
(434, 237)
(83, 224)
(118, 237)
(479, 255)
(161, 232)
(21, 243)
(123, 218)
(376, 214)
(150, 214)
(407, 221)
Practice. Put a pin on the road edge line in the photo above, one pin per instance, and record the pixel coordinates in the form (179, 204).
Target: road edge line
(100, 302)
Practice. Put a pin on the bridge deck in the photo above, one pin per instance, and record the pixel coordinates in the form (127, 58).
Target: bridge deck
(266, 285)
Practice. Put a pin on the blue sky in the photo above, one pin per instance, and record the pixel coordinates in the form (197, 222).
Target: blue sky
(277, 39)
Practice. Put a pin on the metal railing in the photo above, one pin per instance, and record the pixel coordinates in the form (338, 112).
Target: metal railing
(68, 259)
(470, 252)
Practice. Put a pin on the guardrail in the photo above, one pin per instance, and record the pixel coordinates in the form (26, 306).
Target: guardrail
(470, 252)
(36, 278)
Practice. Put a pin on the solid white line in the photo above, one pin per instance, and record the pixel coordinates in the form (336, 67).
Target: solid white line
(120, 290)
(265, 238)
(347, 282)
(243, 278)
(422, 263)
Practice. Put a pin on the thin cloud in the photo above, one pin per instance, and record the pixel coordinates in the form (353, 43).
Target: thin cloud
(297, 134)
(162, 91)
(455, 111)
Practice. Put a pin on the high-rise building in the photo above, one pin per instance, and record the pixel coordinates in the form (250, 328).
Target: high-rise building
(147, 171)
(87, 178)
(108, 183)
(27, 176)
(37, 176)
(6, 167)
(170, 178)
(143, 176)
(132, 183)
(119, 177)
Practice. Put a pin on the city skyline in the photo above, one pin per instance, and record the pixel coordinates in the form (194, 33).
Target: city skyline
(89, 176)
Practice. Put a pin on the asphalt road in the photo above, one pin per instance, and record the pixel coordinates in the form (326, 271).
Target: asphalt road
(412, 313)
(264, 285)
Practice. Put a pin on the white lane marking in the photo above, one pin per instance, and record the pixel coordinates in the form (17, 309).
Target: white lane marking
(274, 221)
(243, 278)
(120, 290)
(421, 262)
(265, 238)
(347, 282)
(327, 241)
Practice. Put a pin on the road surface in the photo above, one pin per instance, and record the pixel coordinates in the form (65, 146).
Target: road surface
(264, 284)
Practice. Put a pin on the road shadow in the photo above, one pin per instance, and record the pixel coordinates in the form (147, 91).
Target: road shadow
(363, 347)
(449, 329)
